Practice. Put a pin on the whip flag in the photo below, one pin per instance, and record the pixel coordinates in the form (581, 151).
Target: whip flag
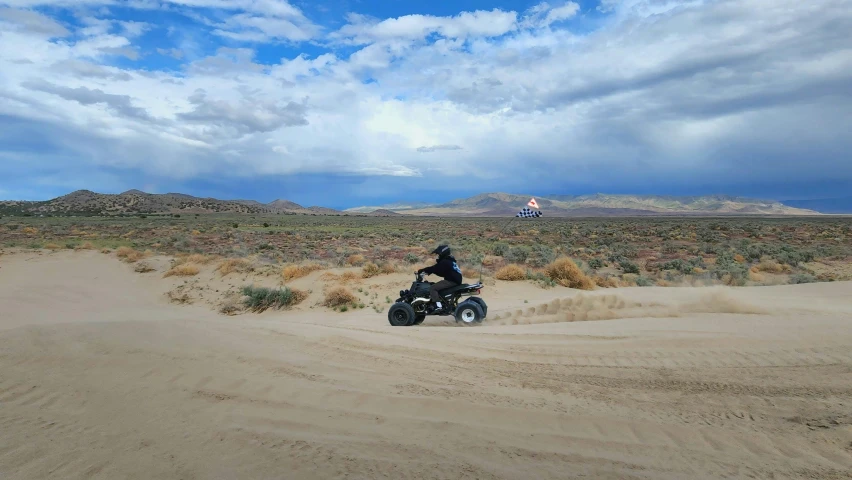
(526, 212)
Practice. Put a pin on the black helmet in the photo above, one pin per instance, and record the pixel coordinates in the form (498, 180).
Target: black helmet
(442, 251)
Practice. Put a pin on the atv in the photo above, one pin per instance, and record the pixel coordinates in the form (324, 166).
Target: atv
(414, 304)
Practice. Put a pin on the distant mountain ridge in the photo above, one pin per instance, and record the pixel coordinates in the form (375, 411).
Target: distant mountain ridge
(85, 202)
(502, 204)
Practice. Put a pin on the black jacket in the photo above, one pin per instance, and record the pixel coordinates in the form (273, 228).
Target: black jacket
(446, 268)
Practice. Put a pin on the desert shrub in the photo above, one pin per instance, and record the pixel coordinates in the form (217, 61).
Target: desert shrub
(231, 265)
(624, 250)
(540, 278)
(682, 266)
(183, 270)
(792, 256)
(85, 246)
(349, 276)
(596, 263)
(730, 271)
(510, 273)
(129, 255)
(292, 272)
(628, 267)
(644, 281)
(517, 254)
(370, 270)
(802, 278)
(259, 299)
(387, 268)
(541, 255)
(52, 246)
(500, 249)
(355, 260)
(410, 257)
(771, 266)
(143, 267)
(564, 271)
(605, 282)
(339, 297)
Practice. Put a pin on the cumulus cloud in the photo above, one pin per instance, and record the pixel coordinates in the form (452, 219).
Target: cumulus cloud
(690, 92)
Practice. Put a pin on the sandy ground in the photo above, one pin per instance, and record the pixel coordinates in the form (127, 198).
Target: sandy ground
(101, 377)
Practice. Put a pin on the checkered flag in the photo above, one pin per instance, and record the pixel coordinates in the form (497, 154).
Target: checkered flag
(527, 213)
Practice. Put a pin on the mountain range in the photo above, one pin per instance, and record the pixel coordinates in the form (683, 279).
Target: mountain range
(502, 204)
(135, 202)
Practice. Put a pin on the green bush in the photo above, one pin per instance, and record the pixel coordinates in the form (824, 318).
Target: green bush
(628, 267)
(802, 278)
(259, 299)
(596, 263)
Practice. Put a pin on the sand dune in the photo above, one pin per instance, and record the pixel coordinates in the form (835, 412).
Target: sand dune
(102, 377)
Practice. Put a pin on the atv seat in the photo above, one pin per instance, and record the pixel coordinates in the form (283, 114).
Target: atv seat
(457, 288)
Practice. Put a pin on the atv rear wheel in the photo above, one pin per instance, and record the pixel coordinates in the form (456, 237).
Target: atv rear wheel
(469, 313)
(401, 314)
(482, 305)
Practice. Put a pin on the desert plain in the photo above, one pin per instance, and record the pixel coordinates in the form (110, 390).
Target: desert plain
(258, 348)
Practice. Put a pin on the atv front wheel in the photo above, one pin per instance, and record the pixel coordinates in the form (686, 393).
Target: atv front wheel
(401, 315)
(419, 319)
(469, 313)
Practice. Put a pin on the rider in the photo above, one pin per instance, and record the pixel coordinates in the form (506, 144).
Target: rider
(446, 267)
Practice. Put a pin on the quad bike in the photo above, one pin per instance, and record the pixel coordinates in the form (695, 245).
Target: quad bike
(414, 304)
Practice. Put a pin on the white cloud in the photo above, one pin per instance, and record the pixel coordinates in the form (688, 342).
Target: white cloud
(30, 22)
(363, 30)
(666, 90)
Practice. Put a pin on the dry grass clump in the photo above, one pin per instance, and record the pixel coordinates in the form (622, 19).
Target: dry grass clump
(143, 267)
(769, 265)
(291, 272)
(370, 270)
(85, 246)
(355, 260)
(605, 282)
(511, 273)
(346, 277)
(129, 255)
(566, 273)
(29, 230)
(232, 265)
(183, 270)
(52, 246)
(338, 297)
(387, 268)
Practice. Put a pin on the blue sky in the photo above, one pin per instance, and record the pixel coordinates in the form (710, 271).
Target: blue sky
(344, 103)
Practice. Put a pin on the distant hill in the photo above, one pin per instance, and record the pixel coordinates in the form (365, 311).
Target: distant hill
(824, 205)
(85, 202)
(133, 202)
(503, 204)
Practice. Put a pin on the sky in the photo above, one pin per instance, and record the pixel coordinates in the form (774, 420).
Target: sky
(343, 103)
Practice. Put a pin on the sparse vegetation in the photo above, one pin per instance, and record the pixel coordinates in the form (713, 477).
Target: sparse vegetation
(564, 271)
(292, 272)
(339, 297)
(183, 270)
(234, 265)
(259, 299)
(612, 251)
(511, 273)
